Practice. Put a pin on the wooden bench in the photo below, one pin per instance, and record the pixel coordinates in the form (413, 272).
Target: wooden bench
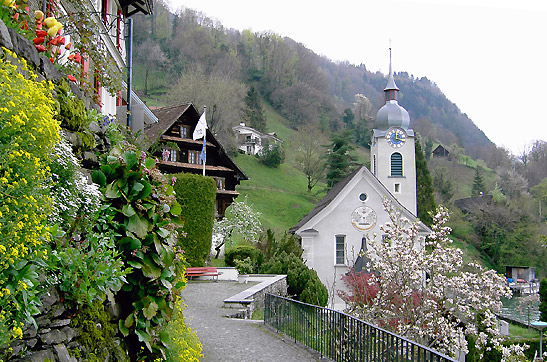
(204, 271)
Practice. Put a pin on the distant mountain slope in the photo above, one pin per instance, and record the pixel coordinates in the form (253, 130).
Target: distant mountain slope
(301, 85)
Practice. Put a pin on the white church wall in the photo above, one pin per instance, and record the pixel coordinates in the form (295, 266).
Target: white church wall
(336, 219)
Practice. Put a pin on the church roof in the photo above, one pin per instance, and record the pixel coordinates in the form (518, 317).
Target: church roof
(325, 201)
(337, 189)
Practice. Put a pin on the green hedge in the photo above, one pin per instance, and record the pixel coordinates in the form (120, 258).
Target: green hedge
(197, 195)
(543, 299)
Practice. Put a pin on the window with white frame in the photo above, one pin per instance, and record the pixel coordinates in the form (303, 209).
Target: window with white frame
(340, 249)
(193, 157)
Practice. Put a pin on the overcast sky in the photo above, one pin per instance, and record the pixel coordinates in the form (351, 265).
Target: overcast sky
(486, 56)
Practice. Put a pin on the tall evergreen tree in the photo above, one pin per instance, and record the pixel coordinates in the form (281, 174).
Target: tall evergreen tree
(478, 183)
(428, 148)
(348, 118)
(424, 187)
(339, 161)
(253, 112)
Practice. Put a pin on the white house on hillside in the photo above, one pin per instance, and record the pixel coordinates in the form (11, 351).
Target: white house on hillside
(335, 231)
(251, 141)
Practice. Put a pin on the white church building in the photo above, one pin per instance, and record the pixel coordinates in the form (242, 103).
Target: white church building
(335, 231)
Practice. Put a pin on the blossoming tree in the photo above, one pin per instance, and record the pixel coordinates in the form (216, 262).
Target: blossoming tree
(422, 290)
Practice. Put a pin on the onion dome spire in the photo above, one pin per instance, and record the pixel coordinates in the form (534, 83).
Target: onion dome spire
(391, 114)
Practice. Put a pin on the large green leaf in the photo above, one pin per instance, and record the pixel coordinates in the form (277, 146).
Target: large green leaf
(163, 232)
(135, 264)
(129, 320)
(150, 311)
(123, 328)
(130, 159)
(143, 336)
(138, 186)
(138, 226)
(164, 338)
(149, 268)
(146, 191)
(112, 191)
(99, 178)
(166, 284)
(128, 210)
(135, 244)
(149, 163)
(176, 209)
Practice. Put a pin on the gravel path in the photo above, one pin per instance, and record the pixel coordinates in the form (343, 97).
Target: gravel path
(227, 340)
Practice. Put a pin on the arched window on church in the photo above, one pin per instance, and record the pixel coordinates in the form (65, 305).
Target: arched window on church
(396, 164)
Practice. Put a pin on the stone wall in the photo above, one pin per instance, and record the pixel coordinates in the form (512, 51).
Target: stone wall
(253, 298)
(52, 338)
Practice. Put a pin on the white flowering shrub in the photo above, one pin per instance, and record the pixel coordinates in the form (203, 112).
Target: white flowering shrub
(421, 289)
(241, 220)
(74, 197)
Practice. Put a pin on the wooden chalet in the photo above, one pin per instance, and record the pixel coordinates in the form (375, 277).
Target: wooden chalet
(440, 151)
(175, 126)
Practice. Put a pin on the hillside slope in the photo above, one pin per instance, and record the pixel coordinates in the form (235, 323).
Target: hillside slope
(300, 85)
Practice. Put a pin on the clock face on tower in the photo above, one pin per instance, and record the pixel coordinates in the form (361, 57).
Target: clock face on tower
(396, 137)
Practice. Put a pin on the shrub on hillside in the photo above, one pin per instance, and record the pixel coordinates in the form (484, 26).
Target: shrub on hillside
(271, 155)
(197, 195)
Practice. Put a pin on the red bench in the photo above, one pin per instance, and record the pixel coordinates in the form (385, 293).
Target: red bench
(204, 271)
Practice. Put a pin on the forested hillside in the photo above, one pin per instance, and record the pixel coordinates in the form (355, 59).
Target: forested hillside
(190, 51)
(324, 112)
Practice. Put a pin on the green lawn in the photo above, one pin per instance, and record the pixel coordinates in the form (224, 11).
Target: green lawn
(280, 194)
(517, 333)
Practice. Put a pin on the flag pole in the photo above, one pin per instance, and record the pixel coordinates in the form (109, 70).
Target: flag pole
(204, 143)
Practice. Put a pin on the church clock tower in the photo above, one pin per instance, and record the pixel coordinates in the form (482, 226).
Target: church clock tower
(393, 159)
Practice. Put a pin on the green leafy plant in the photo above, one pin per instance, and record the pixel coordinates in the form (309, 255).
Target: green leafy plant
(88, 271)
(146, 217)
(242, 252)
(244, 266)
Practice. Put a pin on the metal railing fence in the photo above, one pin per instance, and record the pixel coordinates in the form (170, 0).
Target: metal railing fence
(340, 336)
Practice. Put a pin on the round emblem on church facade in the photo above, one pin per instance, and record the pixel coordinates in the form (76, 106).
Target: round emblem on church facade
(363, 218)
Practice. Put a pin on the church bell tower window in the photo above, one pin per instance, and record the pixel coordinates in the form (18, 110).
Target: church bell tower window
(396, 164)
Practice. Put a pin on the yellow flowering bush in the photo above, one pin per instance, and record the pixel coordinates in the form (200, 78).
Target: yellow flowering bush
(28, 134)
(183, 344)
